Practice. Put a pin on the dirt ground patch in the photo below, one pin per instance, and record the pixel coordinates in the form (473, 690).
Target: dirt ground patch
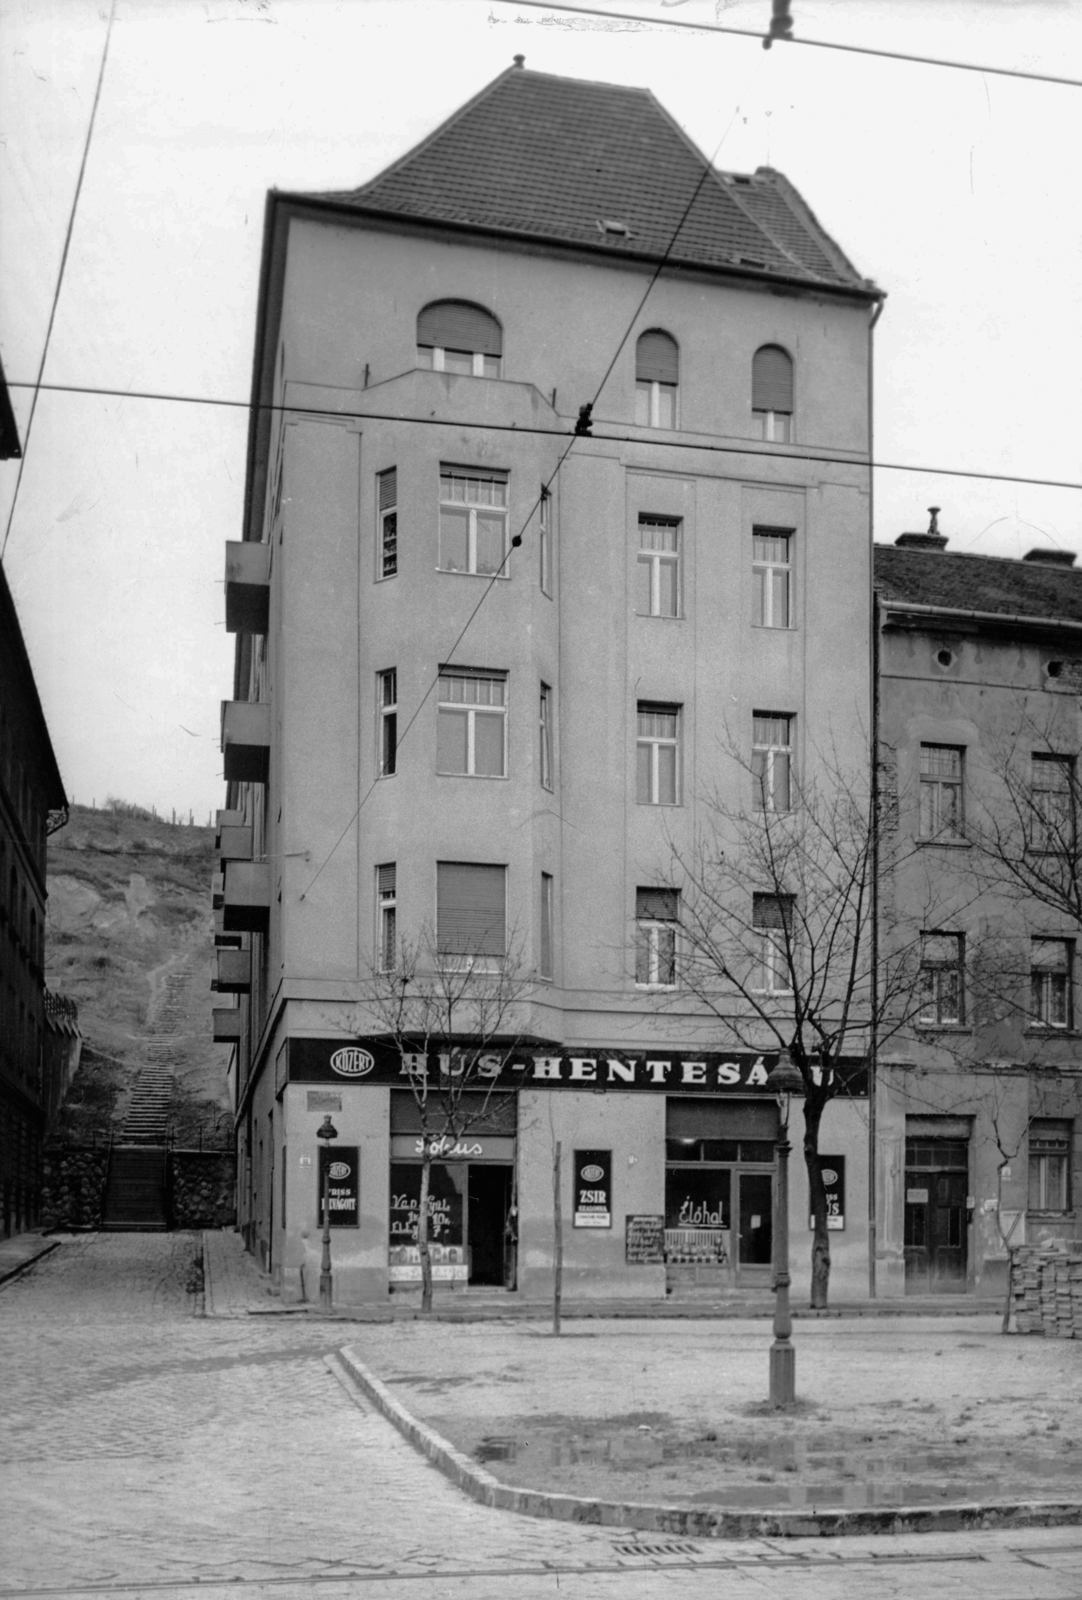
(898, 1411)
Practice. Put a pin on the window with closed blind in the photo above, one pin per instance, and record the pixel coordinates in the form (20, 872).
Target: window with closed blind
(456, 336)
(657, 379)
(471, 910)
(772, 392)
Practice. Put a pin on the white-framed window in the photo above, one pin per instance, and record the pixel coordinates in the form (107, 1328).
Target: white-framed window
(1052, 792)
(546, 925)
(471, 724)
(456, 336)
(471, 911)
(772, 393)
(657, 379)
(544, 730)
(387, 489)
(544, 523)
(1050, 966)
(657, 917)
(941, 791)
(657, 767)
(387, 714)
(772, 760)
(772, 577)
(1050, 1164)
(473, 521)
(942, 993)
(657, 569)
(386, 916)
(772, 923)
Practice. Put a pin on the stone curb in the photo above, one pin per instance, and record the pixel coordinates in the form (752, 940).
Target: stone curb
(694, 1521)
(7, 1273)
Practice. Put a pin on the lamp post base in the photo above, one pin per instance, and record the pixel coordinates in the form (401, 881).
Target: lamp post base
(782, 1374)
(326, 1292)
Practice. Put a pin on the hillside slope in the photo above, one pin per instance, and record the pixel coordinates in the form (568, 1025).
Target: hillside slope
(129, 936)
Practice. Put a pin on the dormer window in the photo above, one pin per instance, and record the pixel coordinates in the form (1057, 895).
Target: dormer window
(657, 376)
(610, 225)
(772, 393)
(456, 336)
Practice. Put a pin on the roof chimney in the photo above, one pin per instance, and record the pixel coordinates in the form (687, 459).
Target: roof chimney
(932, 540)
(520, 61)
(1050, 558)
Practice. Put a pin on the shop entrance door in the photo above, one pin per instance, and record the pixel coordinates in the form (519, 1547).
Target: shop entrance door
(488, 1208)
(936, 1216)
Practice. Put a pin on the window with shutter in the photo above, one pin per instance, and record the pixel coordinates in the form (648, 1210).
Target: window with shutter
(455, 336)
(772, 918)
(772, 392)
(471, 909)
(657, 377)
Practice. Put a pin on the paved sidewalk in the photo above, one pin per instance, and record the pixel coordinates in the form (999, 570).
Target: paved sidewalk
(21, 1251)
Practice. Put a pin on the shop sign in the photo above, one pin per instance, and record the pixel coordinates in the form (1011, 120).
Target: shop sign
(340, 1167)
(644, 1241)
(658, 1072)
(467, 1147)
(593, 1189)
(444, 1205)
(833, 1168)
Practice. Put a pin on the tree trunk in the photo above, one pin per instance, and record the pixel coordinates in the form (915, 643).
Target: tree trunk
(422, 1230)
(814, 1102)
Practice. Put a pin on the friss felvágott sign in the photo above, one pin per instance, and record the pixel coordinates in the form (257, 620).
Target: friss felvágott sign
(340, 1168)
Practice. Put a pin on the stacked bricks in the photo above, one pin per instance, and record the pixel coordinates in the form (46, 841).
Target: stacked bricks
(1046, 1291)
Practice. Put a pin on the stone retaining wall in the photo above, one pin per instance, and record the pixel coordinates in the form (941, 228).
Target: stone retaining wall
(73, 1185)
(203, 1189)
(1046, 1291)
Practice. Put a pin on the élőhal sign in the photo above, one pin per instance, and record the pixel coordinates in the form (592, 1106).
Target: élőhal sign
(376, 1061)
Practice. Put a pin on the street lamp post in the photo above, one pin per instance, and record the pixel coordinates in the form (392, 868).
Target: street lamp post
(784, 1081)
(327, 1131)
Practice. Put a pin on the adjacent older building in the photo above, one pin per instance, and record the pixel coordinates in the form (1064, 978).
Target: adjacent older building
(979, 1096)
(484, 681)
(32, 804)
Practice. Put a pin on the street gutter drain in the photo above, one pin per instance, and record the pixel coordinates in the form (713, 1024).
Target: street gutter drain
(657, 1550)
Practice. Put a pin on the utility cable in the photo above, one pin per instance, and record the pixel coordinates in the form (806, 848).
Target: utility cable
(749, 449)
(653, 21)
(59, 279)
(582, 430)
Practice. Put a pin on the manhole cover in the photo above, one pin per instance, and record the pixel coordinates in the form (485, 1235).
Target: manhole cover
(657, 1549)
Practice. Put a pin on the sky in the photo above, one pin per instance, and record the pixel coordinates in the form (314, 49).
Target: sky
(956, 191)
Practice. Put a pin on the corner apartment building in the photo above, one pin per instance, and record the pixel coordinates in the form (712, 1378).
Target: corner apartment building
(978, 1102)
(479, 701)
(32, 805)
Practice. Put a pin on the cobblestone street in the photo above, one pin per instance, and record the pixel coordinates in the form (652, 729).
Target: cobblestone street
(147, 1449)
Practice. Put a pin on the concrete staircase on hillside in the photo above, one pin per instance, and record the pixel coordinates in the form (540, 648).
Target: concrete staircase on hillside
(148, 1113)
(135, 1193)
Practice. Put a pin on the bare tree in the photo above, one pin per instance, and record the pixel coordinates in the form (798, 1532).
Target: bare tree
(777, 931)
(454, 1021)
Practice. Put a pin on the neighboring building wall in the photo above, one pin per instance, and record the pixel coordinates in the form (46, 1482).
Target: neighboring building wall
(961, 1094)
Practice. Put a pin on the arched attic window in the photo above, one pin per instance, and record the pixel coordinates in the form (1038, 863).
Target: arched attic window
(772, 392)
(455, 336)
(657, 376)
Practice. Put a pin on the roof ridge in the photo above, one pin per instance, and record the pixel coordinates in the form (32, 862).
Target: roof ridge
(973, 555)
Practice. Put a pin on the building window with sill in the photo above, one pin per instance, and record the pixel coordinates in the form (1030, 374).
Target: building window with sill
(471, 724)
(546, 925)
(772, 566)
(455, 336)
(772, 761)
(772, 922)
(657, 754)
(387, 915)
(1050, 982)
(471, 912)
(1052, 792)
(941, 793)
(388, 522)
(657, 915)
(772, 393)
(657, 379)
(657, 580)
(1049, 1164)
(387, 709)
(544, 728)
(473, 521)
(942, 999)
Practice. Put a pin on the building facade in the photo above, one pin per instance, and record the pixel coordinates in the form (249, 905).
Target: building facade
(490, 672)
(32, 805)
(978, 1096)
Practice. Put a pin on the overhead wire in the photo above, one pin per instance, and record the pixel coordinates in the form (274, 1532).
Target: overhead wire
(651, 20)
(811, 454)
(59, 279)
